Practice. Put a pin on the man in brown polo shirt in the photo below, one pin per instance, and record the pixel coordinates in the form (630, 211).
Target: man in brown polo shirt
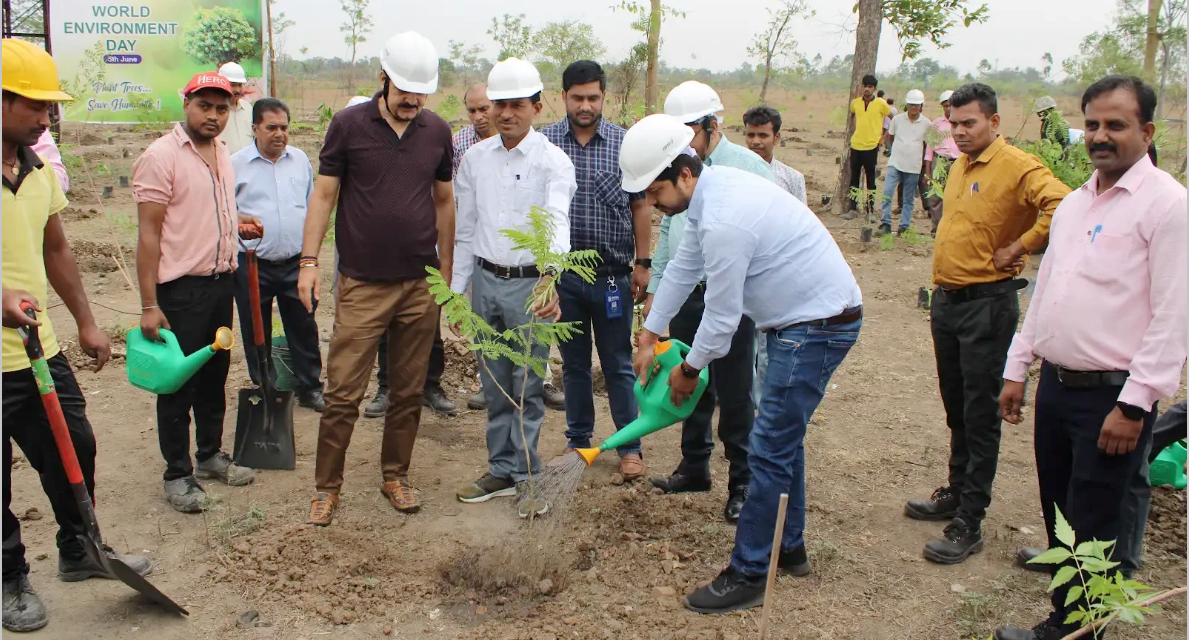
(387, 163)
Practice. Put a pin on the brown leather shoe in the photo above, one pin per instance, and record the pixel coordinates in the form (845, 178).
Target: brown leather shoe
(322, 509)
(632, 467)
(400, 495)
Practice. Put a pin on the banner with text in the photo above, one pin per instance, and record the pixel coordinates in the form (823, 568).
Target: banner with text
(127, 63)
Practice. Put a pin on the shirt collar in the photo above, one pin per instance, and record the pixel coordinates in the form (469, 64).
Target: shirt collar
(27, 162)
(602, 130)
(1130, 180)
(376, 115)
(990, 151)
(531, 139)
(254, 153)
(721, 150)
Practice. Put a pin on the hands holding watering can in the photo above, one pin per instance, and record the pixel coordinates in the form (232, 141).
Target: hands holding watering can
(681, 387)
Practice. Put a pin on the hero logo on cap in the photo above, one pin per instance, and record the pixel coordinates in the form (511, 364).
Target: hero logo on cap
(207, 80)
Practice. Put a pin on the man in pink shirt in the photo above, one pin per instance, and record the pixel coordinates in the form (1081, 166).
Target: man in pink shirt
(184, 187)
(938, 158)
(47, 149)
(1108, 320)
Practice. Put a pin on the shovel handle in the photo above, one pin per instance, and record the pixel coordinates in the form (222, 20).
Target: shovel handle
(49, 398)
(254, 298)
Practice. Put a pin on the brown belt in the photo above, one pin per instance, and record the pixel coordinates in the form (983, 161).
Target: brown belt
(853, 314)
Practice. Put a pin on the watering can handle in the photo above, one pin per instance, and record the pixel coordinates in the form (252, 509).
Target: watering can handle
(254, 298)
(662, 347)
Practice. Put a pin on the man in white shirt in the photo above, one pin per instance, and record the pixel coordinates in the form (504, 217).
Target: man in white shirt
(763, 134)
(765, 254)
(498, 183)
(906, 139)
(238, 132)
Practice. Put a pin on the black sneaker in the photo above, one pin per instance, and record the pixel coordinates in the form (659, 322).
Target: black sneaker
(1043, 631)
(312, 400)
(1024, 555)
(735, 500)
(477, 401)
(957, 543)
(378, 406)
(554, 398)
(883, 230)
(794, 562)
(730, 591)
(942, 505)
(23, 610)
(434, 398)
(681, 482)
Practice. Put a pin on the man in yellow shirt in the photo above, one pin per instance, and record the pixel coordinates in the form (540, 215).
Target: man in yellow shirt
(998, 204)
(37, 254)
(867, 112)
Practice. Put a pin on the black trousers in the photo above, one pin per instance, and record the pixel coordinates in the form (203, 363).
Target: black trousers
(25, 421)
(196, 306)
(865, 161)
(279, 280)
(1090, 487)
(970, 342)
(730, 386)
(437, 362)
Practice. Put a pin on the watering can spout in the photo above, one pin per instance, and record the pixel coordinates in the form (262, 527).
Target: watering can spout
(224, 340)
(160, 366)
(589, 455)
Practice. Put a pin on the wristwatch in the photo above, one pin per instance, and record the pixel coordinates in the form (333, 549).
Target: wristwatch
(1130, 411)
(644, 262)
(688, 371)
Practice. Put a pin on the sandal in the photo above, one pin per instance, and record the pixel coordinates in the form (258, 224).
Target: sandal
(400, 495)
(322, 509)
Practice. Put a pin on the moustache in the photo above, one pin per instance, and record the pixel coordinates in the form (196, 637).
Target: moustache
(407, 106)
(1103, 146)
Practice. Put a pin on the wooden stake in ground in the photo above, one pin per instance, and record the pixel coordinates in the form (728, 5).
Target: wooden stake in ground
(773, 560)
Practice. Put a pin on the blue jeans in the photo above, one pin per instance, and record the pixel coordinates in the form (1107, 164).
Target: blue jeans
(586, 304)
(909, 193)
(800, 363)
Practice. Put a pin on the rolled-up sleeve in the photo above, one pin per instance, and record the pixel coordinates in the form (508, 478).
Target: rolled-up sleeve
(152, 177)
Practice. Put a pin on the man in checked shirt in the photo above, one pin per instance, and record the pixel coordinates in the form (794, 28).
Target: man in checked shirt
(605, 218)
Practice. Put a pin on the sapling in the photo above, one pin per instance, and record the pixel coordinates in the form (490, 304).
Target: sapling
(516, 344)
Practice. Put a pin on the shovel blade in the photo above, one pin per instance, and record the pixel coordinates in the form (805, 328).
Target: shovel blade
(126, 574)
(264, 431)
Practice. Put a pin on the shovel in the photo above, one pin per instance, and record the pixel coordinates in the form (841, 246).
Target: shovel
(264, 425)
(92, 541)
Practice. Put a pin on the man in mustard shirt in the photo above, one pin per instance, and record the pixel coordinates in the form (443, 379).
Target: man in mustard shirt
(867, 111)
(998, 203)
(36, 255)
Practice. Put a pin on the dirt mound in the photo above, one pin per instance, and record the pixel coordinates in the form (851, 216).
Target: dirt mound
(1166, 521)
(462, 369)
(96, 257)
(342, 573)
(527, 566)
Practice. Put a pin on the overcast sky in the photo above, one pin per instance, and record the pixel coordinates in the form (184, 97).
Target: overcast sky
(714, 34)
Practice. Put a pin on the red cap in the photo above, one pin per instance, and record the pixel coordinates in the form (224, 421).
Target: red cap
(207, 80)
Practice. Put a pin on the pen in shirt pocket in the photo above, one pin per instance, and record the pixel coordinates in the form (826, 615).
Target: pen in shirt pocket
(1097, 229)
(973, 189)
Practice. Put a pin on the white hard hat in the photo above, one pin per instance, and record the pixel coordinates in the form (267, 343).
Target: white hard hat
(233, 72)
(410, 61)
(357, 100)
(914, 96)
(1044, 103)
(649, 147)
(513, 78)
(691, 101)
(945, 96)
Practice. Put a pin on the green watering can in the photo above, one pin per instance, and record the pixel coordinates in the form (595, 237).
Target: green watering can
(160, 367)
(1169, 467)
(656, 408)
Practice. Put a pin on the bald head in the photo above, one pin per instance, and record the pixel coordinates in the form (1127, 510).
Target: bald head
(479, 109)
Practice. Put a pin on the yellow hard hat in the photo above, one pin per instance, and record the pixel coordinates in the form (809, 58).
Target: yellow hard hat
(30, 72)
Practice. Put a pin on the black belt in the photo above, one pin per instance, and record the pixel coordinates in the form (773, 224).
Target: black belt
(278, 263)
(500, 271)
(613, 270)
(980, 291)
(1090, 379)
(853, 314)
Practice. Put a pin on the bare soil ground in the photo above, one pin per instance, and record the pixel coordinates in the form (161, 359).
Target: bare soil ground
(626, 554)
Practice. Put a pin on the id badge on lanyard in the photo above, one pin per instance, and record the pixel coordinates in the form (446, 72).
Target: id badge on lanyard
(614, 300)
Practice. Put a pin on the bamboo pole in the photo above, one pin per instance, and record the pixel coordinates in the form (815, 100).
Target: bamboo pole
(773, 561)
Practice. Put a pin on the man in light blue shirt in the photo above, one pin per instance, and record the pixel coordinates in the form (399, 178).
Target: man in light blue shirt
(273, 182)
(696, 104)
(762, 253)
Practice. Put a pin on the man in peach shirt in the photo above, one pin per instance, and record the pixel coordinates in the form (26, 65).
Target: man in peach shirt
(184, 187)
(1108, 321)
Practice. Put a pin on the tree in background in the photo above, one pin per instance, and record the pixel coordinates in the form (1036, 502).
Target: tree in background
(356, 28)
(650, 17)
(467, 60)
(220, 35)
(514, 37)
(775, 44)
(560, 43)
(914, 21)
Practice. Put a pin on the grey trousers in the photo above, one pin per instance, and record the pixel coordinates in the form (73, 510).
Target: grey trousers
(501, 303)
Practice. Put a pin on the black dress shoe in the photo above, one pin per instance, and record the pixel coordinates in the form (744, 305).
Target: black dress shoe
(379, 404)
(942, 505)
(1042, 631)
(434, 398)
(680, 482)
(730, 591)
(1025, 554)
(794, 562)
(312, 400)
(958, 542)
(735, 500)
